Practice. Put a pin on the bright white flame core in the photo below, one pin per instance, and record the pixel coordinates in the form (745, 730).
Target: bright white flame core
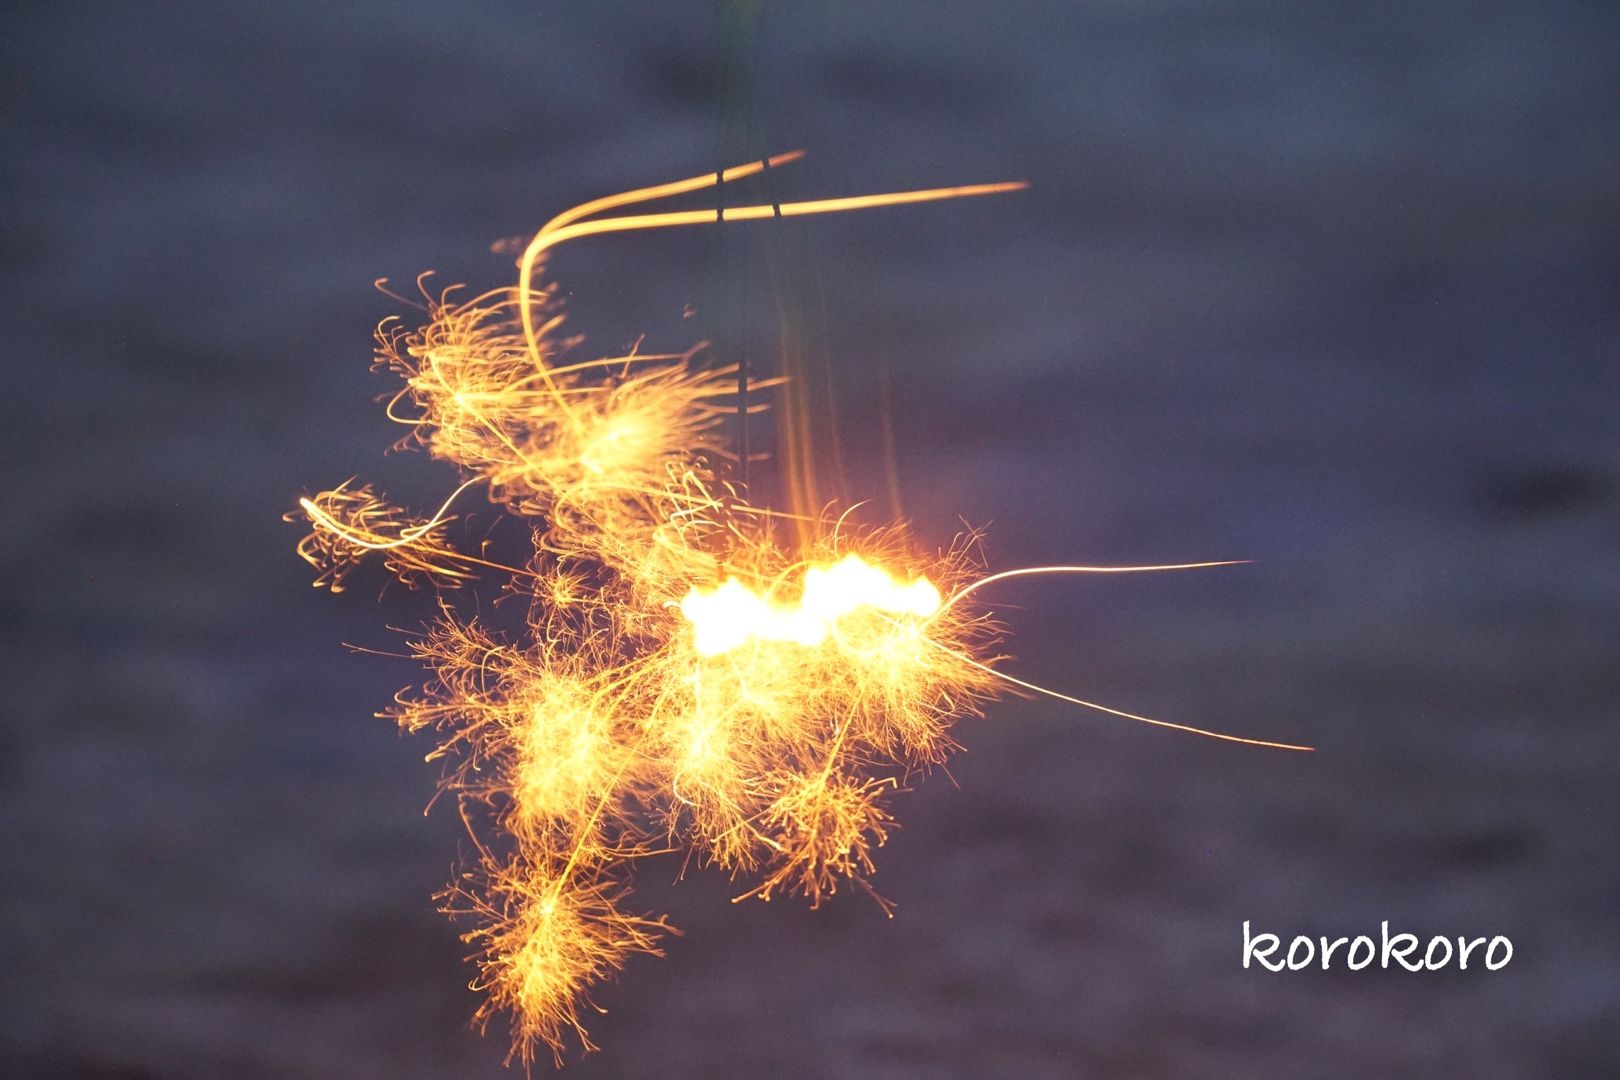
(733, 614)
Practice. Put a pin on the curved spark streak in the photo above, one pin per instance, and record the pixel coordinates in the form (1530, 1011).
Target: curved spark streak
(1028, 571)
(1034, 688)
(572, 227)
(415, 532)
(664, 191)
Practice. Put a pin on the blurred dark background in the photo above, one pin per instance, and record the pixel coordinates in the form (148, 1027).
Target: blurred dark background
(1332, 291)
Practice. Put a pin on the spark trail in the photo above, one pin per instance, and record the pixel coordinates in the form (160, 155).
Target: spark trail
(688, 679)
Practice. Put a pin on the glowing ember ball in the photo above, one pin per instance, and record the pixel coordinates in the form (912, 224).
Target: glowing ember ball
(733, 614)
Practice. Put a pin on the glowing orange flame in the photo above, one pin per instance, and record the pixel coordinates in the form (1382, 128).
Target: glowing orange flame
(734, 614)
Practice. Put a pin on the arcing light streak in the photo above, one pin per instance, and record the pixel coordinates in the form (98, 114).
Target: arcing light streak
(1032, 571)
(571, 226)
(375, 541)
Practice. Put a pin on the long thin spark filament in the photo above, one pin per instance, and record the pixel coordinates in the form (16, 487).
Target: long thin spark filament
(1033, 688)
(552, 236)
(664, 191)
(1031, 571)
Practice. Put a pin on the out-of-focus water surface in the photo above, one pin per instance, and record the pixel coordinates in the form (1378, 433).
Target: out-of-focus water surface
(1331, 291)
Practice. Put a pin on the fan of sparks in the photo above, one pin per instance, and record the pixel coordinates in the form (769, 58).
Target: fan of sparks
(696, 674)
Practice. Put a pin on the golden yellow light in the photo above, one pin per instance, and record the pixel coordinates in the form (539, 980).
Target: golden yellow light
(733, 614)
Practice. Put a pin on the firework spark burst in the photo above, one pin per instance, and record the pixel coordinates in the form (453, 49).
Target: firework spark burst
(690, 677)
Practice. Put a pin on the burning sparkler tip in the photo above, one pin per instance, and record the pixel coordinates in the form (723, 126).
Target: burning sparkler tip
(687, 679)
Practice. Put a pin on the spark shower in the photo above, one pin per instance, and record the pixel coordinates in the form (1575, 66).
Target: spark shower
(738, 685)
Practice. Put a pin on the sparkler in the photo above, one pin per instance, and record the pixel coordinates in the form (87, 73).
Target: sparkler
(688, 680)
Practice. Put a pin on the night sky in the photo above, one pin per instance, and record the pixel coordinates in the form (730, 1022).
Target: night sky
(1331, 290)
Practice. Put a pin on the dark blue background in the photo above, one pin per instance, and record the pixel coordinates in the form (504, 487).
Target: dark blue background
(1330, 288)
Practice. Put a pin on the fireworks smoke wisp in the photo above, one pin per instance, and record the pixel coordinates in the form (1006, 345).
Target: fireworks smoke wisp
(688, 679)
